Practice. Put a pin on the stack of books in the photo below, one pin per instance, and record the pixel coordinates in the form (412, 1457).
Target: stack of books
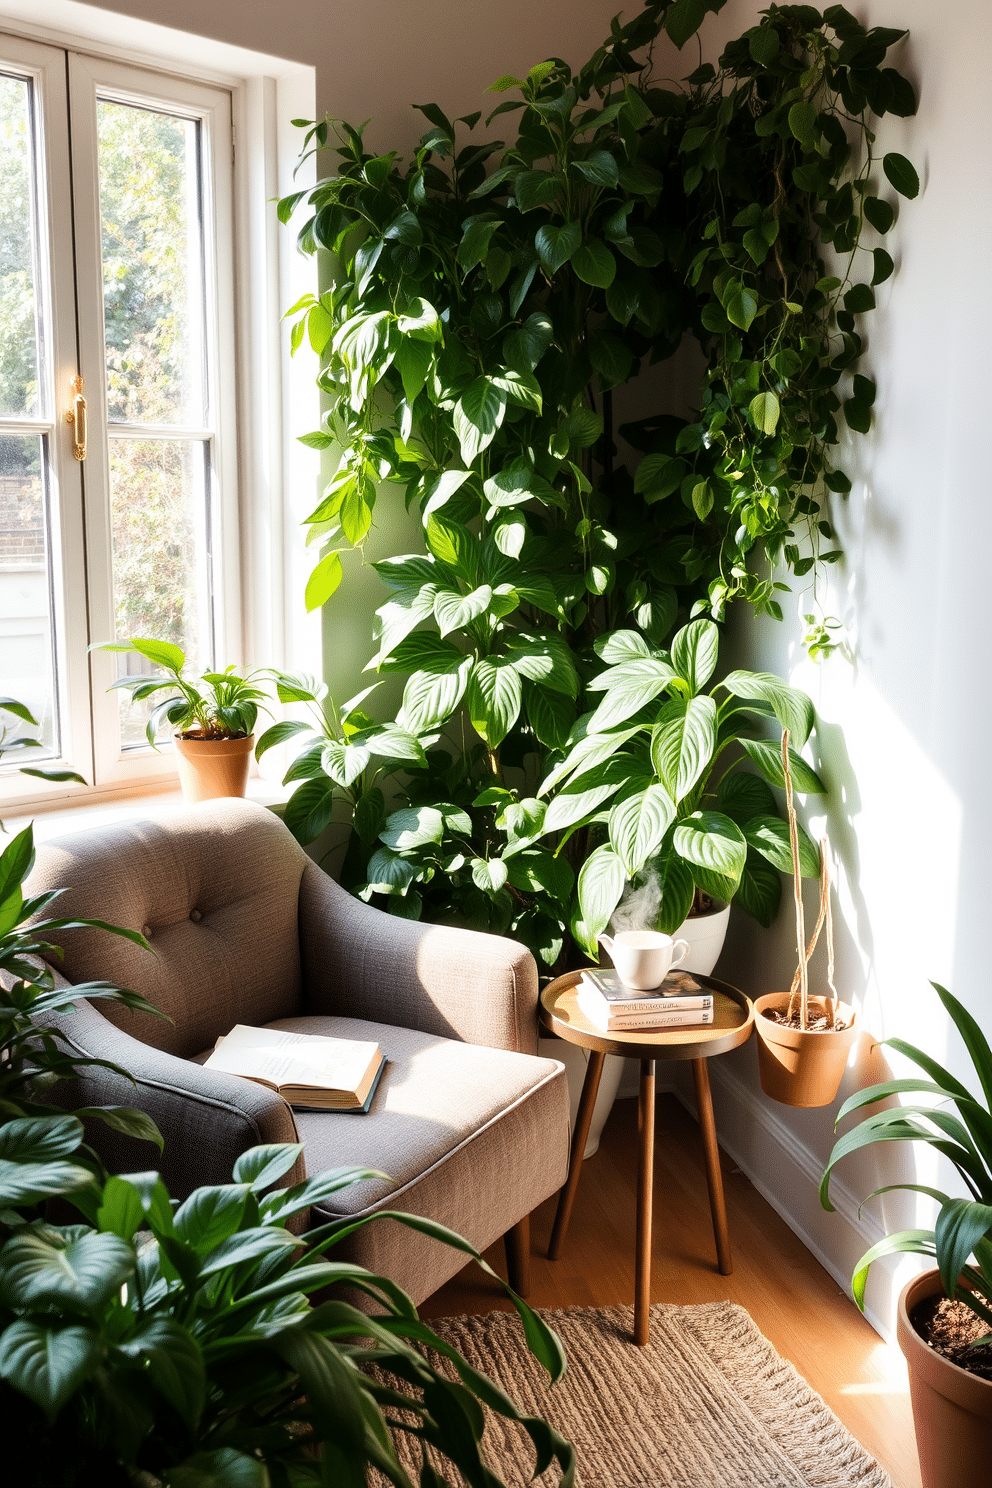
(679, 1002)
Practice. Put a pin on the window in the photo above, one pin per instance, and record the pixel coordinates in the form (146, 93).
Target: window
(116, 287)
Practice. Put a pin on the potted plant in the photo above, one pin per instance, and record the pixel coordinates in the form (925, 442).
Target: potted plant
(944, 1321)
(803, 1042)
(470, 344)
(213, 716)
(649, 768)
(181, 1345)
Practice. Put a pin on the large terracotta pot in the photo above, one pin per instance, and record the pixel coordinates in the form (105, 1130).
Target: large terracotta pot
(705, 934)
(801, 1067)
(952, 1409)
(209, 768)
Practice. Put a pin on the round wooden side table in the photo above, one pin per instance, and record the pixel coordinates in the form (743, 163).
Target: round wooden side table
(733, 1020)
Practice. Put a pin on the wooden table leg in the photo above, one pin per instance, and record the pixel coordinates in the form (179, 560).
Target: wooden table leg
(583, 1121)
(645, 1187)
(714, 1177)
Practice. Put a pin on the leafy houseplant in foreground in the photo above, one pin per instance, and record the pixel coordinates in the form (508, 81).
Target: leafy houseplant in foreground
(150, 1343)
(470, 347)
(213, 717)
(961, 1240)
(951, 1387)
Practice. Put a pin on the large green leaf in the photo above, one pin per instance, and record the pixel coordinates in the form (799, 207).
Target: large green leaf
(30, 1183)
(694, 652)
(629, 687)
(621, 645)
(478, 413)
(588, 752)
(769, 835)
(743, 795)
(431, 696)
(395, 743)
(413, 826)
(223, 1468)
(768, 759)
(637, 826)
(676, 889)
(48, 1362)
(974, 1039)
(388, 873)
(77, 1268)
(903, 1242)
(594, 263)
(759, 892)
(961, 1224)
(262, 1166)
(711, 841)
(792, 708)
(310, 809)
(543, 656)
(573, 806)
(494, 698)
(601, 885)
(556, 245)
(901, 174)
(16, 862)
(29, 1139)
(344, 762)
(210, 1214)
(454, 610)
(171, 1360)
(683, 743)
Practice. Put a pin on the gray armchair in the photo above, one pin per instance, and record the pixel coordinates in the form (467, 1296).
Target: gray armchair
(470, 1125)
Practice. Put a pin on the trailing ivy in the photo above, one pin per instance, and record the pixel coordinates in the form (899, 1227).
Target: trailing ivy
(488, 300)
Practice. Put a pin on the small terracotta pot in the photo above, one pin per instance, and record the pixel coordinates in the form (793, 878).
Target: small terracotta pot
(209, 768)
(952, 1409)
(802, 1067)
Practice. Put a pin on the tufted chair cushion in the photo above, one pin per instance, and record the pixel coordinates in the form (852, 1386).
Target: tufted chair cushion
(218, 901)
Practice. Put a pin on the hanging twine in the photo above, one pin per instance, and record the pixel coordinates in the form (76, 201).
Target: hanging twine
(825, 917)
(797, 888)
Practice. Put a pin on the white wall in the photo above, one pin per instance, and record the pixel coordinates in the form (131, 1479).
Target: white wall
(904, 710)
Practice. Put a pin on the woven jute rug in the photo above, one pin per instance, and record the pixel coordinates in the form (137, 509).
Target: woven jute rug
(707, 1404)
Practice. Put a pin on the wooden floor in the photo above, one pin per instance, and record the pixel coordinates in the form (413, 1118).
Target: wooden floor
(792, 1299)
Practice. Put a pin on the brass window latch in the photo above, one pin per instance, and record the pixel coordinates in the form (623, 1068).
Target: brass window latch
(76, 416)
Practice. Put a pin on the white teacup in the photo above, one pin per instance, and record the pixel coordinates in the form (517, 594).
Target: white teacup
(643, 958)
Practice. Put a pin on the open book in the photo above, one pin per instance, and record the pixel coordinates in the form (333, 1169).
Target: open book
(309, 1070)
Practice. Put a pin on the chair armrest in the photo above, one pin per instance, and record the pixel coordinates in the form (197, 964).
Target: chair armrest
(358, 962)
(207, 1119)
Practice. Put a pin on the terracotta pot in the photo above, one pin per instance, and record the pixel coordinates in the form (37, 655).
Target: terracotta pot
(797, 1067)
(705, 934)
(952, 1409)
(209, 768)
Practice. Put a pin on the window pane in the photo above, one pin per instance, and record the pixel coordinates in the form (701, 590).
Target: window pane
(161, 527)
(152, 265)
(26, 654)
(18, 330)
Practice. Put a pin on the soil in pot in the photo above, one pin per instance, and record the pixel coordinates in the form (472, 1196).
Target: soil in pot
(952, 1329)
(816, 1022)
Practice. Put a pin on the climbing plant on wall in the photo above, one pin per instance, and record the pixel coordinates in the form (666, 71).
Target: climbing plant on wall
(489, 298)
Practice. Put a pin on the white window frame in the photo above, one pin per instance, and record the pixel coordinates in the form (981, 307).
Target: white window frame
(276, 397)
(91, 79)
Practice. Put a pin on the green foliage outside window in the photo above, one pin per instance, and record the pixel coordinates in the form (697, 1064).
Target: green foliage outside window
(489, 299)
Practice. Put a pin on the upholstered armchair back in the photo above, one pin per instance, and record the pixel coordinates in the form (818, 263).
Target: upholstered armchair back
(218, 903)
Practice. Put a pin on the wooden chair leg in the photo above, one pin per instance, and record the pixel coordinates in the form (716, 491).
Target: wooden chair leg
(517, 1245)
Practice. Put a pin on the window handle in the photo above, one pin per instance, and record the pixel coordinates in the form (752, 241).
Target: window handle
(76, 416)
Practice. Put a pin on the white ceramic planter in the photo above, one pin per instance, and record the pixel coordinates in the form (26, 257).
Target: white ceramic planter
(575, 1059)
(705, 934)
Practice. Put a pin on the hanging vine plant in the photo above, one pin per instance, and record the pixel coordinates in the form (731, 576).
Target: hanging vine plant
(485, 309)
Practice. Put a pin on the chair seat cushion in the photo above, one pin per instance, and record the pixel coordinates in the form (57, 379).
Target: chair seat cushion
(473, 1137)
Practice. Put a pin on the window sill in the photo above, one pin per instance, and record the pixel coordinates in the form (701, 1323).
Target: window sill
(144, 806)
